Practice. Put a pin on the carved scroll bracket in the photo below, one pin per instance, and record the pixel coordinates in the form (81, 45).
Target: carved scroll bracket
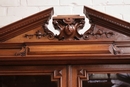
(22, 52)
(68, 25)
(50, 35)
(116, 50)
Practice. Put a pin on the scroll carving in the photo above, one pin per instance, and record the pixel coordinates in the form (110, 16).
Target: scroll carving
(82, 75)
(50, 35)
(68, 26)
(22, 52)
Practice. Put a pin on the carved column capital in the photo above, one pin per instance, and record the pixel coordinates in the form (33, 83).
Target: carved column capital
(68, 26)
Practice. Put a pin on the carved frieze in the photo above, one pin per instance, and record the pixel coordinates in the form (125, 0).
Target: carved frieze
(38, 35)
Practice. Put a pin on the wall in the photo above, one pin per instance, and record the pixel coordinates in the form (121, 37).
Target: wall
(13, 10)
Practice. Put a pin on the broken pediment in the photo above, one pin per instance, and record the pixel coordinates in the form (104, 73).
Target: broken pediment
(35, 28)
(108, 38)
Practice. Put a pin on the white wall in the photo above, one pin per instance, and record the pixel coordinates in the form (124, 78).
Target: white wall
(13, 10)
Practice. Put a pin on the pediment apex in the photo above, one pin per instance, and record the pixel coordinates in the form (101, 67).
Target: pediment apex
(105, 20)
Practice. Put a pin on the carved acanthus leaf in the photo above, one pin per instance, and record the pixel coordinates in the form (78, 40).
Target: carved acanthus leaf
(68, 25)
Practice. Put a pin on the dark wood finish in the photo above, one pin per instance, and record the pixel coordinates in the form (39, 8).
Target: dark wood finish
(29, 48)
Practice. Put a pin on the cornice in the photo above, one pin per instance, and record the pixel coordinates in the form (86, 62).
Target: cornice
(25, 24)
(99, 18)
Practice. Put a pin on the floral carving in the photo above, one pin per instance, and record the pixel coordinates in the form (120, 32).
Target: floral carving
(39, 34)
(95, 32)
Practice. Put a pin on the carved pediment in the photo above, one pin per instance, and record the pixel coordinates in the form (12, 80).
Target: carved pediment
(35, 28)
(108, 38)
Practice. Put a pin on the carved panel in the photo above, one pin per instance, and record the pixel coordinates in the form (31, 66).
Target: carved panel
(57, 49)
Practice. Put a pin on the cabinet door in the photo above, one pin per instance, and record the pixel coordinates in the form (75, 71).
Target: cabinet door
(33, 76)
(101, 75)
